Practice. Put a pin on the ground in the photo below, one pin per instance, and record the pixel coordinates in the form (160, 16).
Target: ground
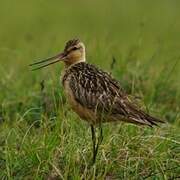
(137, 41)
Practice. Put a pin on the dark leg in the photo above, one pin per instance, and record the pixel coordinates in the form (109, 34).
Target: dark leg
(100, 138)
(96, 144)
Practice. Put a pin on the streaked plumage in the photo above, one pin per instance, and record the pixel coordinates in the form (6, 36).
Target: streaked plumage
(97, 97)
(94, 94)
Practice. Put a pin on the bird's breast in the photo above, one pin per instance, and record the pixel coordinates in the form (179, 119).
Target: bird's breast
(83, 112)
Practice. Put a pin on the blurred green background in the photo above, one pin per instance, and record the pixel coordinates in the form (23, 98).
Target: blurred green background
(142, 36)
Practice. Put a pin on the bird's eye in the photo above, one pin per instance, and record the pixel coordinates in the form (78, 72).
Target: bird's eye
(74, 48)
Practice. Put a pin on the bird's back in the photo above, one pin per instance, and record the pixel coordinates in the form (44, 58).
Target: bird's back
(97, 97)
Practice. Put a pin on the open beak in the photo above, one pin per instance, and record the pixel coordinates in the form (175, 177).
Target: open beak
(48, 61)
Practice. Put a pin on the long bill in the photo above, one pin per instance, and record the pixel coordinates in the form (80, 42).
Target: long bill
(48, 61)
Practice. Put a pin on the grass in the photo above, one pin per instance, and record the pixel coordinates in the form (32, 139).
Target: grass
(40, 137)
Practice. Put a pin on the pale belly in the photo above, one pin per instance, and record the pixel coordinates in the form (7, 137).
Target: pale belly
(83, 112)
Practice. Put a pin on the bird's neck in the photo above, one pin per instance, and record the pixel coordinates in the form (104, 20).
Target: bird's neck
(65, 73)
(69, 63)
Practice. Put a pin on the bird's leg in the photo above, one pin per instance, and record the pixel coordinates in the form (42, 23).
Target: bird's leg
(94, 139)
(100, 138)
(94, 143)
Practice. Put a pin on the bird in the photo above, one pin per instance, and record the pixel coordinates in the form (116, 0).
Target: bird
(94, 94)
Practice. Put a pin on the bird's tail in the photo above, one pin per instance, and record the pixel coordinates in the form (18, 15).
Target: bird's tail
(141, 117)
(128, 112)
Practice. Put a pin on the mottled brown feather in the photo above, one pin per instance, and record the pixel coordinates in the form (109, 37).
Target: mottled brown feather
(97, 97)
(71, 43)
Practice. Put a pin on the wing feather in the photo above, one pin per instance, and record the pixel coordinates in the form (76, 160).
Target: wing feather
(100, 92)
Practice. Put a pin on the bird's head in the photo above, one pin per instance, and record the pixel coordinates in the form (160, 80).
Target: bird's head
(74, 52)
